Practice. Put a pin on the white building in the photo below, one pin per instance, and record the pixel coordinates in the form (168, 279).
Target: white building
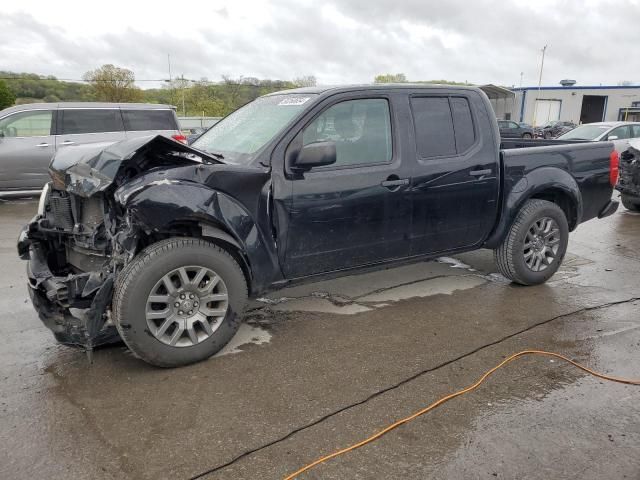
(570, 102)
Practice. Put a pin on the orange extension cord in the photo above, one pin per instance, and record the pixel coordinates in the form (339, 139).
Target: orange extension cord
(454, 395)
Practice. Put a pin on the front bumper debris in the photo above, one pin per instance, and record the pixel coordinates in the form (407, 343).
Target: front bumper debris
(73, 306)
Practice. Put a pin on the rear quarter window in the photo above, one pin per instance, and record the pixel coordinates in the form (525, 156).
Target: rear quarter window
(139, 120)
(76, 121)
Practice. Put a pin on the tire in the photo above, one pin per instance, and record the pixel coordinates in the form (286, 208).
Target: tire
(171, 337)
(526, 136)
(630, 204)
(511, 257)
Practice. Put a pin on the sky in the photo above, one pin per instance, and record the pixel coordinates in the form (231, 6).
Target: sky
(348, 41)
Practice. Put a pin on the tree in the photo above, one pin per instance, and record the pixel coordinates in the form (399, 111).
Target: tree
(305, 81)
(391, 78)
(7, 98)
(114, 84)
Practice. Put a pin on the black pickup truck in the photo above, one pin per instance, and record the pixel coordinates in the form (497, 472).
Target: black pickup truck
(161, 244)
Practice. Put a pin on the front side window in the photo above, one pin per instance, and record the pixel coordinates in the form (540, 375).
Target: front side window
(75, 121)
(635, 131)
(241, 134)
(141, 120)
(27, 124)
(620, 132)
(361, 130)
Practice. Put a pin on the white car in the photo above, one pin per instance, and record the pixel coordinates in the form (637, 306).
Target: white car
(617, 132)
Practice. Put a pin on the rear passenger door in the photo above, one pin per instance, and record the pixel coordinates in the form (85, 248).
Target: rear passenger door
(455, 187)
(140, 123)
(79, 126)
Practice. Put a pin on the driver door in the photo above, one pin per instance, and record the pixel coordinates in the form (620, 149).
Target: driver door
(358, 210)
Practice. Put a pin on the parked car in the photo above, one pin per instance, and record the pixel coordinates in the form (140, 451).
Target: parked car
(629, 183)
(510, 129)
(31, 134)
(162, 244)
(193, 133)
(554, 129)
(617, 132)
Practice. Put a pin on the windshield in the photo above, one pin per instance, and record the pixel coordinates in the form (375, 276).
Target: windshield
(585, 132)
(242, 133)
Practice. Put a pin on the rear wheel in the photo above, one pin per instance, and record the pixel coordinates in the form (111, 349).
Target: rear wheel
(179, 301)
(630, 204)
(535, 245)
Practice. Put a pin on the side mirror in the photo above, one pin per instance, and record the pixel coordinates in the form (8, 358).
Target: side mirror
(317, 154)
(612, 137)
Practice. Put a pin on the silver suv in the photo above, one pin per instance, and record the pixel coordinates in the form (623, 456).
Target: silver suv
(31, 134)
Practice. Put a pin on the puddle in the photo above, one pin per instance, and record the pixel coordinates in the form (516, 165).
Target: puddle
(316, 304)
(455, 263)
(425, 288)
(247, 334)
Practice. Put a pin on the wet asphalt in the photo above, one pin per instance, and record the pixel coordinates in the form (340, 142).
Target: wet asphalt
(321, 366)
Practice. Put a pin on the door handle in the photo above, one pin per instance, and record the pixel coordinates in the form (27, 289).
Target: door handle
(395, 182)
(480, 173)
(42, 145)
(68, 142)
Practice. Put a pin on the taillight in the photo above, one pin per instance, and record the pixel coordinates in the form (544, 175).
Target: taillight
(180, 138)
(614, 167)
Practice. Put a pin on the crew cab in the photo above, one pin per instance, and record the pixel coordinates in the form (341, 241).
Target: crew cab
(161, 244)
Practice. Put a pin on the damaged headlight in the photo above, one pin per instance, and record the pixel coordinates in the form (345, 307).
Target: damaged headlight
(44, 199)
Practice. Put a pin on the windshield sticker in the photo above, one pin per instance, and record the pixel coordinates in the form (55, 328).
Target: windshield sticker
(294, 101)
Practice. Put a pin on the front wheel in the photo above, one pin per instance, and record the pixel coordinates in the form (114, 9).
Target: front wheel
(630, 204)
(526, 136)
(179, 301)
(535, 245)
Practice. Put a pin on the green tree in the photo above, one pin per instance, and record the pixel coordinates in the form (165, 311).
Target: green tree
(7, 98)
(305, 81)
(114, 84)
(390, 78)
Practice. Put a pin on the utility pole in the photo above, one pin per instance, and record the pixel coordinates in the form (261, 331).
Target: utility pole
(521, 76)
(182, 85)
(170, 84)
(535, 111)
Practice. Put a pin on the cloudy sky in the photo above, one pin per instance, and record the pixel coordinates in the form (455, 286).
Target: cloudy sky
(346, 41)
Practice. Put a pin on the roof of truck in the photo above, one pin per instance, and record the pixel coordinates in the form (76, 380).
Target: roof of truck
(376, 86)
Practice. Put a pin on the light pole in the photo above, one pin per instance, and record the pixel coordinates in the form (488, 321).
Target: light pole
(535, 110)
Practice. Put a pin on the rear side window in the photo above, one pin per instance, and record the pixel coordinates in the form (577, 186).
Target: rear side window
(463, 124)
(139, 120)
(635, 131)
(443, 125)
(75, 121)
(434, 126)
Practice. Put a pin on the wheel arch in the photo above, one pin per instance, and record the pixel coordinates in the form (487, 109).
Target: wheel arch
(546, 183)
(160, 211)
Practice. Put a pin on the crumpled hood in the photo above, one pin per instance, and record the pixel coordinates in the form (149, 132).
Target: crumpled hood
(88, 169)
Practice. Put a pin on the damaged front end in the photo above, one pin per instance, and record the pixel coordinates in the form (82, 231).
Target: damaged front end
(80, 239)
(629, 180)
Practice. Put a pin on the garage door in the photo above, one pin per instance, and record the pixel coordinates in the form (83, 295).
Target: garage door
(547, 111)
